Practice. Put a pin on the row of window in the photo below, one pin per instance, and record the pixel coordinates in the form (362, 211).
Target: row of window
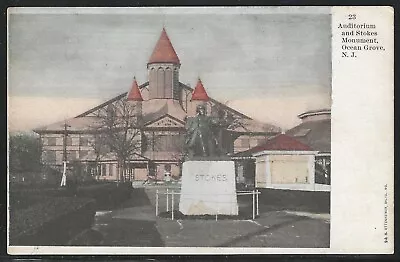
(166, 143)
(52, 141)
(162, 79)
(50, 156)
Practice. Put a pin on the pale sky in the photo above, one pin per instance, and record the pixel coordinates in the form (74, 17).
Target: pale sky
(271, 64)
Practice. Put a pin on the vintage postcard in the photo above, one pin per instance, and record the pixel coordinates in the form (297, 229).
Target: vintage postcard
(246, 130)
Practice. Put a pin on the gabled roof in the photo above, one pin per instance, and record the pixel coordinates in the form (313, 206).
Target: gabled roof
(164, 52)
(166, 119)
(134, 94)
(279, 142)
(112, 100)
(248, 124)
(156, 109)
(74, 125)
(199, 93)
(229, 109)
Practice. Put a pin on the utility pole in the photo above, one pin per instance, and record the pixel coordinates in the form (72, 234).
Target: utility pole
(64, 176)
(65, 141)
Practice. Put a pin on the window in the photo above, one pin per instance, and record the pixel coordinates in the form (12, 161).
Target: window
(110, 169)
(103, 169)
(168, 142)
(323, 170)
(177, 92)
(160, 83)
(83, 153)
(152, 83)
(51, 156)
(52, 141)
(84, 141)
(168, 83)
(72, 155)
(302, 132)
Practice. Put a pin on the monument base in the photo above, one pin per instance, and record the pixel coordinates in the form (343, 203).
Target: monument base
(208, 188)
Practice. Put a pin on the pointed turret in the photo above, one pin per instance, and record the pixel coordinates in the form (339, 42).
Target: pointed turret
(135, 97)
(164, 52)
(134, 94)
(199, 93)
(163, 69)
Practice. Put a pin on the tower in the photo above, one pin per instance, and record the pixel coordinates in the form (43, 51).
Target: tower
(163, 70)
(199, 96)
(134, 96)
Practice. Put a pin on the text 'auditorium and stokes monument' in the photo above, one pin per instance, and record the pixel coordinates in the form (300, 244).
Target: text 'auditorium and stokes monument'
(165, 106)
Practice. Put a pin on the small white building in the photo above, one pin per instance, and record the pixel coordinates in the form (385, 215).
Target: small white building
(285, 163)
(297, 160)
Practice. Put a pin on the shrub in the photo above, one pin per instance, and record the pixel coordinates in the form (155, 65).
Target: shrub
(51, 222)
(108, 195)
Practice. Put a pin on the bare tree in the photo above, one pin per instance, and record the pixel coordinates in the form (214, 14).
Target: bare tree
(228, 123)
(120, 130)
(99, 145)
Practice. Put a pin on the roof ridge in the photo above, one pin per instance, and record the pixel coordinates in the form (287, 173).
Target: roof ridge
(116, 98)
(215, 101)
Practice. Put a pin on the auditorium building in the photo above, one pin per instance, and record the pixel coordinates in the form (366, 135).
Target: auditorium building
(163, 103)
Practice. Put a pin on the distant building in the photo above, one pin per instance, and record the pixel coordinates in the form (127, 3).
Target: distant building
(315, 131)
(163, 104)
(298, 159)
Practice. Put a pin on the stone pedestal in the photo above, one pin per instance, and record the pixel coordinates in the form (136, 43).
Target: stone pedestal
(208, 188)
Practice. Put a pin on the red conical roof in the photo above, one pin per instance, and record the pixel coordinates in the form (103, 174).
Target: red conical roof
(134, 94)
(164, 52)
(199, 93)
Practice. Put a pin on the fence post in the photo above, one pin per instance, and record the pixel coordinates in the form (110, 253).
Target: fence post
(258, 209)
(254, 214)
(156, 202)
(172, 205)
(167, 200)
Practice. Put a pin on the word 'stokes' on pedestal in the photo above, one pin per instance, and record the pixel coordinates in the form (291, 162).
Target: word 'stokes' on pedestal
(208, 188)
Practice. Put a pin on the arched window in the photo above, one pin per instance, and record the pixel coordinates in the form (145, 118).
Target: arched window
(160, 82)
(168, 82)
(152, 83)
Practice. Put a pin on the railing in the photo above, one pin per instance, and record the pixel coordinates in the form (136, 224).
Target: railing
(167, 193)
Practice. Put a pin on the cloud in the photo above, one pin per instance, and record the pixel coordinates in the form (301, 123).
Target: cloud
(26, 113)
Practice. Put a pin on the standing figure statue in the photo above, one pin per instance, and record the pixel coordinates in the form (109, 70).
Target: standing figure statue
(200, 139)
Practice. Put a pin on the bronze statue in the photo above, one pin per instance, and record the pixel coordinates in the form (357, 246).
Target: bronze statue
(202, 139)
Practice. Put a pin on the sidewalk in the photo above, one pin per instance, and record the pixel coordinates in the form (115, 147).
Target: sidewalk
(135, 224)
